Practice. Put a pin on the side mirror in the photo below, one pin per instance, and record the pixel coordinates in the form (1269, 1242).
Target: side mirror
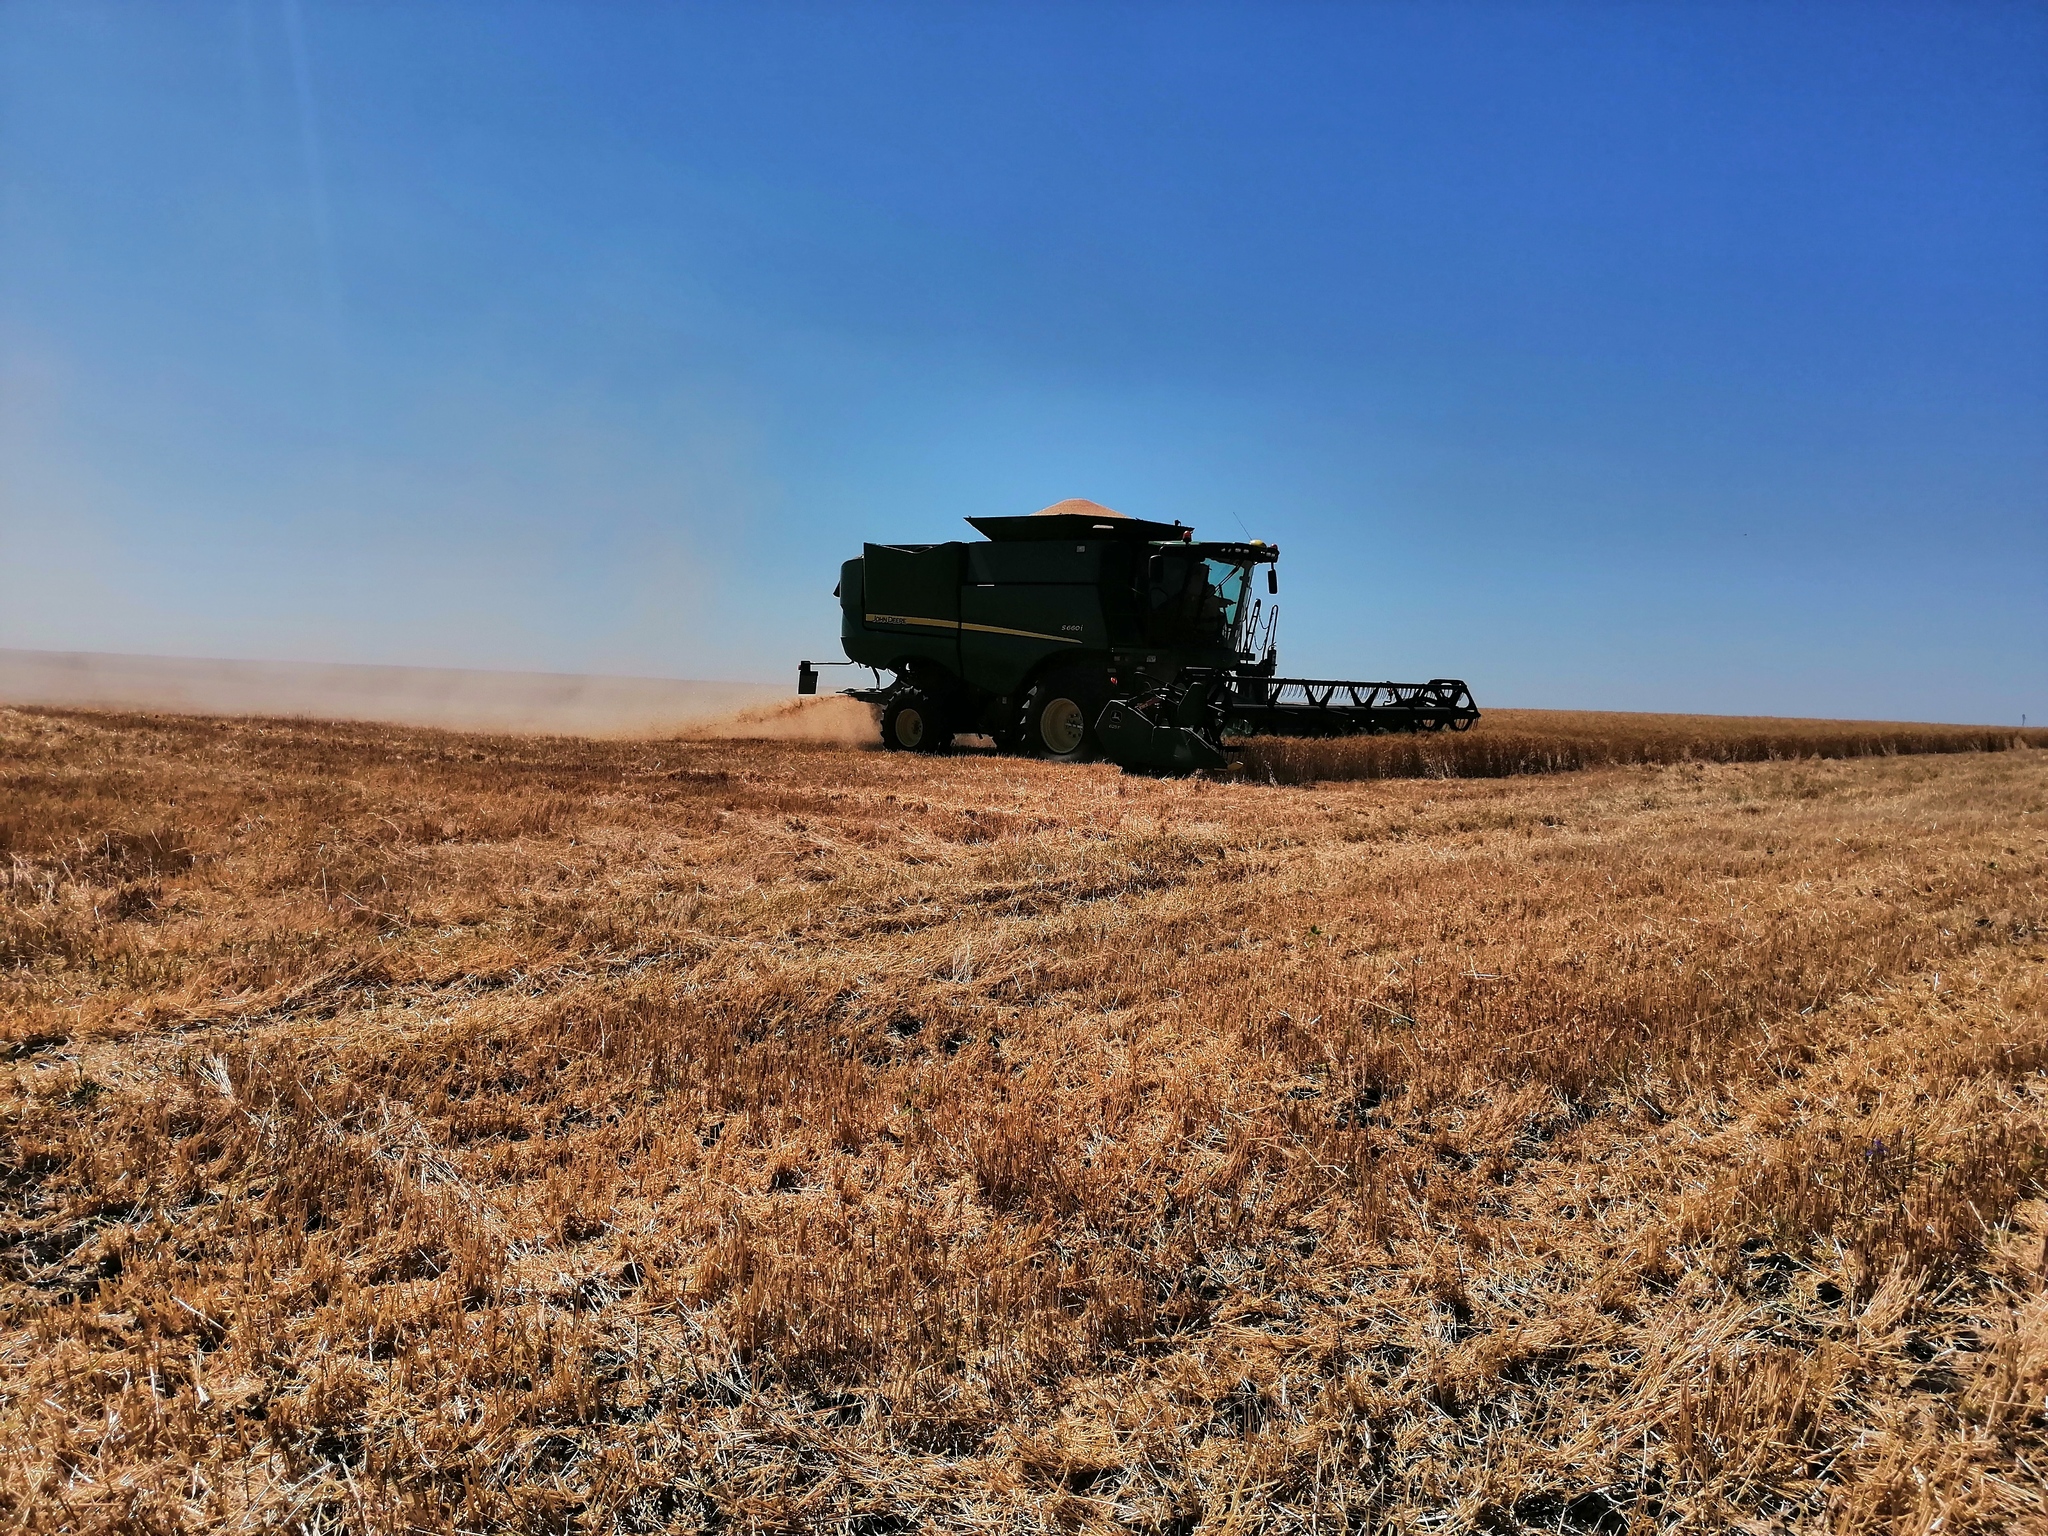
(1272, 581)
(806, 677)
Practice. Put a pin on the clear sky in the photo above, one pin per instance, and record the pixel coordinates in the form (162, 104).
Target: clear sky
(1612, 355)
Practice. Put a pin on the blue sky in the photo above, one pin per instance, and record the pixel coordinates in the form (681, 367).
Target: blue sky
(1608, 356)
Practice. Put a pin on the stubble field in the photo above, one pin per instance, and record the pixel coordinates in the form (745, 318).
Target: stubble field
(414, 1130)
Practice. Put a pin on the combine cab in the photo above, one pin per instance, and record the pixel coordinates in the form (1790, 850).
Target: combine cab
(1078, 632)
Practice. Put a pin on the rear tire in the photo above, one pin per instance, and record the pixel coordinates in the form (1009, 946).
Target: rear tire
(911, 723)
(1058, 719)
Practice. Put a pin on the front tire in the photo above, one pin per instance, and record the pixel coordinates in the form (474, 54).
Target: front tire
(1059, 719)
(912, 723)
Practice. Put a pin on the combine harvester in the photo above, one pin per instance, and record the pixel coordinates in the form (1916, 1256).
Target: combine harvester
(1078, 632)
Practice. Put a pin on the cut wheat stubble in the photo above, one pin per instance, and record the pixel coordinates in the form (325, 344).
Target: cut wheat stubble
(408, 1127)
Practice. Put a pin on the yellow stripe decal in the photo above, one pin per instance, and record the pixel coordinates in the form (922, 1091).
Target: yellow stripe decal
(1028, 634)
(980, 629)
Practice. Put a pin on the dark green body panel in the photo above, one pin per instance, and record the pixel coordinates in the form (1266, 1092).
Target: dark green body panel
(990, 614)
(1065, 562)
(905, 607)
(1008, 630)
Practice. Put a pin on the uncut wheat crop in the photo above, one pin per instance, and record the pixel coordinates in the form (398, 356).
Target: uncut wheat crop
(415, 1131)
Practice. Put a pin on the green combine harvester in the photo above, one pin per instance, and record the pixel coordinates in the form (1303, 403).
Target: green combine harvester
(1078, 632)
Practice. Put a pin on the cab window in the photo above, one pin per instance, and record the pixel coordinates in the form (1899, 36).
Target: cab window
(1191, 600)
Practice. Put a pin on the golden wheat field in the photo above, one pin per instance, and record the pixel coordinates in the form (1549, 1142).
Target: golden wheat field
(1506, 742)
(416, 1131)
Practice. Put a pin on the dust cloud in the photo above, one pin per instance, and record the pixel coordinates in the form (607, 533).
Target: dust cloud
(827, 717)
(529, 702)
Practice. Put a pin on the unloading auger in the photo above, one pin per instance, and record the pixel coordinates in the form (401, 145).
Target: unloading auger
(1079, 632)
